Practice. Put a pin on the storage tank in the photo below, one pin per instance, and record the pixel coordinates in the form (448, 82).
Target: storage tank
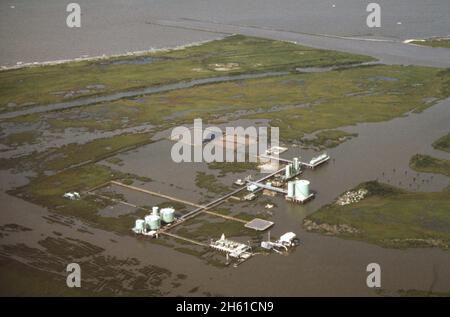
(291, 189)
(301, 189)
(139, 227)
(153, 222)
(296, 164)
(168, 214)
(288, 171)
(155, 211)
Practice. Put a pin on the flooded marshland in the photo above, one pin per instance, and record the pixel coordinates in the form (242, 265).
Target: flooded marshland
(319, 266)
(128, 141)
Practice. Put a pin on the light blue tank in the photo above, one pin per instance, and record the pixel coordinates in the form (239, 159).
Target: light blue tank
(168, 215)
(291, 189)
(288, 171)
(153, 222)
(301, 189)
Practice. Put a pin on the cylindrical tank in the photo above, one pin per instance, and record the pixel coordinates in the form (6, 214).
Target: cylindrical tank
(291, 189)
(153, 222)
(288, 171)
(140, 223)
(167, 215)
(147, 220)
(301, 188)
(296, 164)
(155, 211)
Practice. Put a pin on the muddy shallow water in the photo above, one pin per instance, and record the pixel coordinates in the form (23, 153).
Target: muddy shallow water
(326, 265)
(320, 266)
(381, 151)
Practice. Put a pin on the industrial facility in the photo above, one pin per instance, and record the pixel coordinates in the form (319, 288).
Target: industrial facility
(284, 181)
(151, 223)
(298, 191)
(232, 248)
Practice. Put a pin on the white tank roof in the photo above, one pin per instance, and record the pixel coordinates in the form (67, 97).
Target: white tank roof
(151, 217)
(288, 237)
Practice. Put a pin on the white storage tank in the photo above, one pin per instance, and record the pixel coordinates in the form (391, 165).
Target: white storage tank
(153, 222)
(301, 189)
(291, 189)
(139, 226)
(288, 171)
(296, 164)
(147, 221)
(155, 211)
(168, 215)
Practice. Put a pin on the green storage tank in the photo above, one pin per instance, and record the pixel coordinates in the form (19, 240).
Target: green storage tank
(291, 189)
(168, 215)
(301, 189)
(153, 222)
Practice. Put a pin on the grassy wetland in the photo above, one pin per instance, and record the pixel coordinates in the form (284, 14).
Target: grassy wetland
(443, 143)
(392, 217)
(389, 217)
(298, 102)
(433, 42)
(430, 164)
(233, 55)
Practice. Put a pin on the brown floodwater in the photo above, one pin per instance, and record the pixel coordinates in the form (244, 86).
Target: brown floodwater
(321, 265)
(326, 265)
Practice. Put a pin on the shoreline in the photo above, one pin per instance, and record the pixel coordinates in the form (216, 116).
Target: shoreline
(84, 58)
(425, 39)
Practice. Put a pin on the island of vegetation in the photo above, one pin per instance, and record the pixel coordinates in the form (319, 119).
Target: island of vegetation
(387, 216)
(433, 42)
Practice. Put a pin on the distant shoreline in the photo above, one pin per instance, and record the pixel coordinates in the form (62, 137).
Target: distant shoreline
(438, 38)
(84, 58)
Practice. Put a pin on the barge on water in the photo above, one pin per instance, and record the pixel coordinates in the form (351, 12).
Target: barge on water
(318, 160)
